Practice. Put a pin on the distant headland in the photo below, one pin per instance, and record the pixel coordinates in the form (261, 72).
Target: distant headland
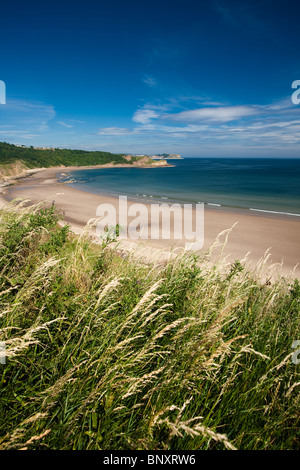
(163, 156)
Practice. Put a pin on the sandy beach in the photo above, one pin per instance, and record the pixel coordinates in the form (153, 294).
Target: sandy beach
(250, 235)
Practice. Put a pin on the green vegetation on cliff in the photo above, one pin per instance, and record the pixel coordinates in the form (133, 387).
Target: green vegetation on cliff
(40, 158)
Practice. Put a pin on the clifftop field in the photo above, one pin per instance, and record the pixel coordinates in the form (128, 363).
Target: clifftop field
(104, 352)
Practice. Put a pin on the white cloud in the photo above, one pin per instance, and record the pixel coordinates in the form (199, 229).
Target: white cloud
(215, 114)
(214, 128)
(64, 124)
(29, 110)
(27, 117)
(18, 134)
(150, 81)
(144, 116)
(190, 128)
(113, 131)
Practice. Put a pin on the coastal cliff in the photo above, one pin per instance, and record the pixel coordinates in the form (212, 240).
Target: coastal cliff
(17, 161)
(145, 161)
(9, 170)
(166, 156)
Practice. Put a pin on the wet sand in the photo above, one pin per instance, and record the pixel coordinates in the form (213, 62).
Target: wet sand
(250, 234)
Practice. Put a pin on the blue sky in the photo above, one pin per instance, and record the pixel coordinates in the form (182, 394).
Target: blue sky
(199, 78)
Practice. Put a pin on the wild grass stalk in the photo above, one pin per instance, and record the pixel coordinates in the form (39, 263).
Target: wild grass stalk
(105, 352)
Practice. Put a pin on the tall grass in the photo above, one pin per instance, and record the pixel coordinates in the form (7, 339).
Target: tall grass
(104, 352)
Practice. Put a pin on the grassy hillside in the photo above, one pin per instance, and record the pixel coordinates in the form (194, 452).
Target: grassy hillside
(35, 158)
(17, 167)
(107, 353)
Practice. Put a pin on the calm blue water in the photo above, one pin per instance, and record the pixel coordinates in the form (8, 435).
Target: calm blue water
(263, 184)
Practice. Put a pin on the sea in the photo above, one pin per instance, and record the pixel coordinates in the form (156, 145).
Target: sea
(263, 186)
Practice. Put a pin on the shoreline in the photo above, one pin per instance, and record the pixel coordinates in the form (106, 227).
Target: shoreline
(255, 233)
(249, 211)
